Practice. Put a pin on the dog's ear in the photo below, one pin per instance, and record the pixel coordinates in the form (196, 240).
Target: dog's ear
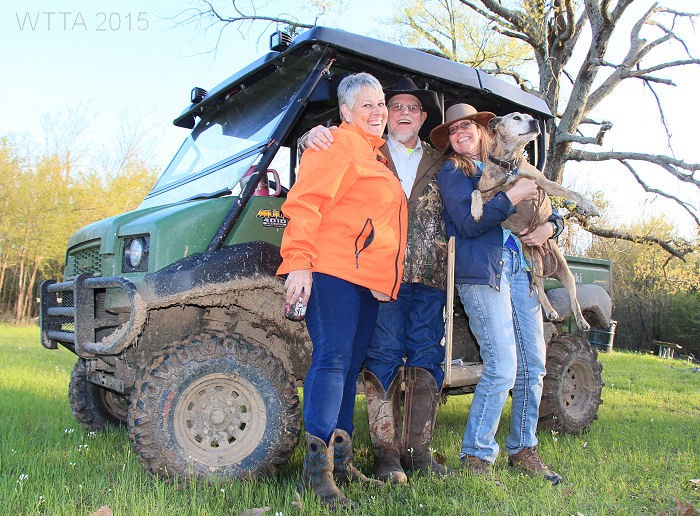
(494, 122)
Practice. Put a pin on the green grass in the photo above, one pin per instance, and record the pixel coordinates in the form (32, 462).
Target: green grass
(638, 458)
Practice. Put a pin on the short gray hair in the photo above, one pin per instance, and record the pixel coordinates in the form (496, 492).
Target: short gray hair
(351, 85)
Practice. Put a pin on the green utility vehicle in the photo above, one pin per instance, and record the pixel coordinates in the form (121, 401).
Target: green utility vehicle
(174, 311)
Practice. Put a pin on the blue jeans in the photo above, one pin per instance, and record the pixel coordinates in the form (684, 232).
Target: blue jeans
(340, 318)
(507, 324)
(411, 327)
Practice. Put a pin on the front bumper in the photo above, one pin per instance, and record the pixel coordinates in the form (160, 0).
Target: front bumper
(73, 314)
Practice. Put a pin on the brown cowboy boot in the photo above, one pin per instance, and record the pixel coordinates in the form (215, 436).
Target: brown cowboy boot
(528, 461)
(420, 411)
(344, 470)
(317, 475)
(383, 414)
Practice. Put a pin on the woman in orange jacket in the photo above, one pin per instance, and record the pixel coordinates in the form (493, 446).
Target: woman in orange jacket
(342, 253)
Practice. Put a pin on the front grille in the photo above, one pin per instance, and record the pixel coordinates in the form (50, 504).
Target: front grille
(63, 323)
(86, 260)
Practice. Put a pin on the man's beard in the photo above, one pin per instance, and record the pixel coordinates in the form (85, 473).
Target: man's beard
(403, 136)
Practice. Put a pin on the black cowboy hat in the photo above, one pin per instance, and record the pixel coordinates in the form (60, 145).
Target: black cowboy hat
(429, 101)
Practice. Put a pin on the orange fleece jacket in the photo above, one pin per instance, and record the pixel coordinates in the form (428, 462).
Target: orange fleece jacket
(347, 214)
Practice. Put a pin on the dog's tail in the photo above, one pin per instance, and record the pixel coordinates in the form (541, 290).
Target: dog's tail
(477, 205)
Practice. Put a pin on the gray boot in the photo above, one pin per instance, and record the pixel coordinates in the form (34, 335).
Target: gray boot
(317, 475)
(344, 470)
(420, 411)
(383, 414)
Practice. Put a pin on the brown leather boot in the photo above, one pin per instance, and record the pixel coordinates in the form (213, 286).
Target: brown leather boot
(383, 414)
(528, 461)
(317, 475)
(479, 467)
(344, 470)
(420, 411)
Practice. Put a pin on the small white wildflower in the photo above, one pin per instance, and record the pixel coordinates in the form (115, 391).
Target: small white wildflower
(652, 419)
(71, 463)
(68, 430)
(92, 434)
(41, 499)
(554, 432)
(555, 439)
(410, 450)
(585, 444)
(22, 478)
(222, 489)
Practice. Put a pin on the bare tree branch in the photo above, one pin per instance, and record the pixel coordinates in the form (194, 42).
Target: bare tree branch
(686, 206)
(675, 167)
(675, 247)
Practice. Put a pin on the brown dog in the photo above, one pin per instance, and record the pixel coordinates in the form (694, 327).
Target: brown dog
(509, 135)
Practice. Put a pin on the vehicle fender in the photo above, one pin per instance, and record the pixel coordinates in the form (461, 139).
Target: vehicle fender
(594, 300)
(221, 266)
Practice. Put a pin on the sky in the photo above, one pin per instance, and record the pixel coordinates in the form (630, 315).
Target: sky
(130, 65)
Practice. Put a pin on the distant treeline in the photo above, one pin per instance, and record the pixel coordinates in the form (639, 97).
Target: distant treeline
(43, 200)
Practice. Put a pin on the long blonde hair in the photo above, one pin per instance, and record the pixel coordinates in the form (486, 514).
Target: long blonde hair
(465, 163)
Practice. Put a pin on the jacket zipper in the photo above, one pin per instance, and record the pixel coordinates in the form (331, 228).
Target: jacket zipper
(398, 250)
(368, 240)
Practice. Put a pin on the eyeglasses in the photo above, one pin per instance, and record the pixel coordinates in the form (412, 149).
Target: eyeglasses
(464, 126)
(412, 108)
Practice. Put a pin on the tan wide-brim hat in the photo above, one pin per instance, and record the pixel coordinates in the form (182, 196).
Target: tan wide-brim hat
(440, 135)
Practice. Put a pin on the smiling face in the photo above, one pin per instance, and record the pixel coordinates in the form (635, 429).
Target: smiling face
(405, 124)
(368, 111)
(465, 138)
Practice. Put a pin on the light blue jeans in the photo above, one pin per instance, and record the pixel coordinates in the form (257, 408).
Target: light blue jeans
(507, 324)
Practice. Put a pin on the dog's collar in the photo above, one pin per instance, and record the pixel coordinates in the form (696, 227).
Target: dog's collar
(509, 165)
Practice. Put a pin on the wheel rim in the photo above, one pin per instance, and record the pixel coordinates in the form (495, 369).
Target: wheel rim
(115, 404)
(576, 389)
(220, 419)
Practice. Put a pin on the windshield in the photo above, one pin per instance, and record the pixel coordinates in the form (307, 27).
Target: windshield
(231, 135)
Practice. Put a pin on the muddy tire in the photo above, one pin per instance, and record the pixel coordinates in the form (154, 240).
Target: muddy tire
(572, 387)
(212, 405)
(94, 407)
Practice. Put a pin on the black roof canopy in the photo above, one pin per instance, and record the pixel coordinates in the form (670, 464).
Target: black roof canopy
(454, 82)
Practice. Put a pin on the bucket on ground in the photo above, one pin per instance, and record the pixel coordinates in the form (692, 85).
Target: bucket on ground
(603, 339)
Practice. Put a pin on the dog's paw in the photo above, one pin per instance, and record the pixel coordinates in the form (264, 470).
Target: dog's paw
(552, 315)
(477, 205)
(584, 208)
(582, 324)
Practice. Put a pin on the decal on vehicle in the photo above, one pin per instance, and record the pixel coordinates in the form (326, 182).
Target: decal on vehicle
(272, 218)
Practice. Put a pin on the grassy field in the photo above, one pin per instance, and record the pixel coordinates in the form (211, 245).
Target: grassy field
(640, 457)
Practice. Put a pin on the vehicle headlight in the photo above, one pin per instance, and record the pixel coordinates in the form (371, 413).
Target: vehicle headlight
(135, 257)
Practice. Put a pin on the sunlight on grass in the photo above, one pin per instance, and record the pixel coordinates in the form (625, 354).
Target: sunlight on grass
(638, 458)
